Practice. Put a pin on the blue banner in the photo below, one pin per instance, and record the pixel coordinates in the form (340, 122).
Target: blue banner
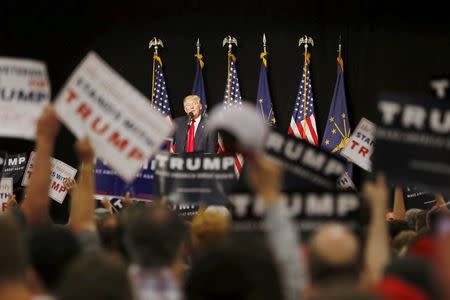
(109, 183)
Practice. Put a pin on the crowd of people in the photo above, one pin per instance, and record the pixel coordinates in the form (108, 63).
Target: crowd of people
(148, 251)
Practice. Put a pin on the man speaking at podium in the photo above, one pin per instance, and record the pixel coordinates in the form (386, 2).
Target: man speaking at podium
(191, 134)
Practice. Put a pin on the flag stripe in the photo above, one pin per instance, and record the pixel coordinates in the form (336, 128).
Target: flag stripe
(312, 128)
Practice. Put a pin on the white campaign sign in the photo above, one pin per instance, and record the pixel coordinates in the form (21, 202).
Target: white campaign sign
(345, 183)
(24, 92)
(120, 122)
(360, 146)
(59, 171)
(6, 189)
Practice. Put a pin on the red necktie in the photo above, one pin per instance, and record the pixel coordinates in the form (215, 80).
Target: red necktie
(190, 143)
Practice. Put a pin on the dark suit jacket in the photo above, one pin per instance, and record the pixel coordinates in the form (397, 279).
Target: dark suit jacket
(204, 141)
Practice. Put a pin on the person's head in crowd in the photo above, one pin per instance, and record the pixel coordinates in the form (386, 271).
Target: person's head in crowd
(421, 221)
(333, 256)
(153, 237)
(417, 272)
(127, 214)
(14, 260)
(234, 269)
(51, 249)
(210, 225)
(411, 217)
(108, 229)
(401, 242)
(397, 226)
(96, 275)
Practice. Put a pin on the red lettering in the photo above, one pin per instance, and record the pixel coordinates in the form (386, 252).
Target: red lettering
(4, 205)
(72, 95)
(354, 144)
(116, 140)
(95, 125)
(136, 153)
(55, 185)
(29, 174)
(363, 151)
(84, 110)
(62, 189)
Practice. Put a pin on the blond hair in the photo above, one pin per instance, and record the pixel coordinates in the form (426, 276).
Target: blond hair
(209, 226)
(192, 97)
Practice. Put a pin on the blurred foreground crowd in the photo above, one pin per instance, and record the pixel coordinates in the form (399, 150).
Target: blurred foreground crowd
(148, 251)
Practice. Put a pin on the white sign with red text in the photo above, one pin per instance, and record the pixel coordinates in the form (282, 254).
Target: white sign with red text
(360, 146)
(59, 171)
(123, 127)
(6, 189)
(24, 92)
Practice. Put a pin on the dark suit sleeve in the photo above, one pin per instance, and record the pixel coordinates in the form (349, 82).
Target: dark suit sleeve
(211, 142)
(175, 135)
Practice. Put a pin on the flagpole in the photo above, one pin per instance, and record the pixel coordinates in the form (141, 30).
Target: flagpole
(305, 40)
(229, 40)
(263, 57)
(341, 64)
(198, 46)
(154, 43)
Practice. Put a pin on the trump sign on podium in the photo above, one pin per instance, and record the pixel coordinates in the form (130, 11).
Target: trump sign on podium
(120, 122)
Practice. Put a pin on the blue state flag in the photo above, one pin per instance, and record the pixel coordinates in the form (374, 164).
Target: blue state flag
(198, 87)
(263, 99)
(337, 130)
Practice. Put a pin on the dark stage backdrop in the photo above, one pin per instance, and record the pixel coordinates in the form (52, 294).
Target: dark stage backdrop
(386, 47)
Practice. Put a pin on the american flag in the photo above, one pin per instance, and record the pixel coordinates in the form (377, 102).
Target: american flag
(160, 98)
(232, 100)
(303, 121)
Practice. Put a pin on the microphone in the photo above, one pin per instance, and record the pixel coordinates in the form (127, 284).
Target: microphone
(191, 115)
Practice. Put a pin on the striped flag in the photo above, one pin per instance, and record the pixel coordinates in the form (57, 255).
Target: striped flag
(263, 99)
(160, 98)
(303, 121)
(232, 100)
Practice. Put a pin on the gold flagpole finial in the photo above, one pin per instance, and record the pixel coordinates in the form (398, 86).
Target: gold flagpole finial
(155, 43)
(198, 46)
(229, 40)
(305, 40)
